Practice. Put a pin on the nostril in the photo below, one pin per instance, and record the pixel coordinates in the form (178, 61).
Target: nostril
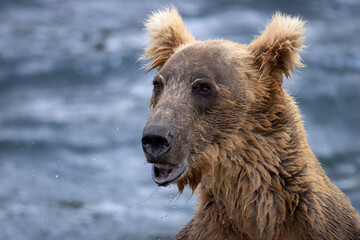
(146, 140)
(161, 141)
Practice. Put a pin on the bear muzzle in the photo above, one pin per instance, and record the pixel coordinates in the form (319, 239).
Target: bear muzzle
(157, 141)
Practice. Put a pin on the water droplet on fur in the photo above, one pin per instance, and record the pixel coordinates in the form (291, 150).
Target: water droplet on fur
(223, 222)
(56, 176)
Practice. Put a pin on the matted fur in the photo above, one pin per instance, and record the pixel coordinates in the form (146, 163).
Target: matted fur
(258, 178)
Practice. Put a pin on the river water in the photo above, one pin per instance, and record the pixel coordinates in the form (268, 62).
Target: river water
(74, 100)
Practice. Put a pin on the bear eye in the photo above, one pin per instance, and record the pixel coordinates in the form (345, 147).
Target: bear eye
(204, 93)
(204, 88)
(157, 86)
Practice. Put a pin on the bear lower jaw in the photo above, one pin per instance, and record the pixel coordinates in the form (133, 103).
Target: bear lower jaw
(164, 174)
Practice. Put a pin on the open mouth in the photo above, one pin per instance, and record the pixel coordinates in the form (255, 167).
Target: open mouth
(163, 174)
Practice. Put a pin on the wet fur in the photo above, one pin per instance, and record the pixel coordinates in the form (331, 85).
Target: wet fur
(251, 164)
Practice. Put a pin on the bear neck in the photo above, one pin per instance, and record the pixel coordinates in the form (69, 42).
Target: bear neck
(265, 175)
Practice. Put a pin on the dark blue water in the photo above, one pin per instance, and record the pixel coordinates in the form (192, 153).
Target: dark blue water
(73, 102)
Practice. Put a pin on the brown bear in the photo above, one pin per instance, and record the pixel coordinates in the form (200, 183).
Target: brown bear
(222, 123)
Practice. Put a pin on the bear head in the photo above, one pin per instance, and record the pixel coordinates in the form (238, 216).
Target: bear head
(205, 93)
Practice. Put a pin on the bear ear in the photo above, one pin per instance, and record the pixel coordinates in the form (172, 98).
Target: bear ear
(277, 48)
(167, 33)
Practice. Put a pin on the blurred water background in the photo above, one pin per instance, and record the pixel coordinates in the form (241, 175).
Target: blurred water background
(73, 102)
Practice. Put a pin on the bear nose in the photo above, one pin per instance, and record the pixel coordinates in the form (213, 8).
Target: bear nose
(157, 140)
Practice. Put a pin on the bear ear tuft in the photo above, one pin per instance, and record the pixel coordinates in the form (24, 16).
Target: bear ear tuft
(167, 33)
(277, 48)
